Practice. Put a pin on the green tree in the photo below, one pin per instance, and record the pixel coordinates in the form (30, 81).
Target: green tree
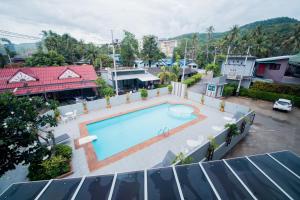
(7, 51)
(103, 61)
(91, 52)
(214, 68)
(52, 58)
(150, 52)
(129, 49)
(20, 130)
(293, 42)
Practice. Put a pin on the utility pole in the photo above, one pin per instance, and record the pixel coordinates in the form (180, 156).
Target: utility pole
(184, 63)
(115, 67)
(241, 77)
(226, 61)
(215, 55)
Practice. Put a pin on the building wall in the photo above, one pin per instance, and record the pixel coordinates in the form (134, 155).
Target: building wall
(167, 46)
(237, 66)
(276, 75)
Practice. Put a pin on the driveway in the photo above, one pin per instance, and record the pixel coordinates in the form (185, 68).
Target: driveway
(271, 131)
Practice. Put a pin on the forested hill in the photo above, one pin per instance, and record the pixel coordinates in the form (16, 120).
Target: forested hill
(278, 25)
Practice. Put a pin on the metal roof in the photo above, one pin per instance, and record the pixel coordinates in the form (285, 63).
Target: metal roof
(266, 176)
(141, 77)
(295, 60)
(273, 58)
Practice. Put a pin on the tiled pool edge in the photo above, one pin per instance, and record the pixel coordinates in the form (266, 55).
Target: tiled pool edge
(91, 156)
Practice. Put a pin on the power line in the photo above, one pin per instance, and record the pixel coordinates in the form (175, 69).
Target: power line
(18, 35)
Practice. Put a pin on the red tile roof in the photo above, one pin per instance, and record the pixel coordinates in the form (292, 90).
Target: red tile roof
(48, 79)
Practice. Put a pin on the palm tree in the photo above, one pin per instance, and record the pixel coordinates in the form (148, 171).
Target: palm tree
(210, 30)
(293, 42)
(233, 34)
(163, 75)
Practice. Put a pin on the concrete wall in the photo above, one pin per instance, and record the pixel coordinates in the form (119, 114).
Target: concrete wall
(276, 75)
(199, 154)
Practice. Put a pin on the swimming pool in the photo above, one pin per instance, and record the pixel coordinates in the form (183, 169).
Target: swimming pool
(122, 132)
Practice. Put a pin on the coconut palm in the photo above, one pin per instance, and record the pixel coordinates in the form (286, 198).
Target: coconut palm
(293, 41)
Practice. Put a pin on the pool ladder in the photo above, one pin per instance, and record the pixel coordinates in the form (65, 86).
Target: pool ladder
(163, 131)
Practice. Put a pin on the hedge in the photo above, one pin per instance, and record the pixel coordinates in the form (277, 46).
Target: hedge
(269, 96)
(192, 80)
(277, 88)
(228, 91)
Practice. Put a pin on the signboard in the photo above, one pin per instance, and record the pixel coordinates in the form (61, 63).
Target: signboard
(211, 87)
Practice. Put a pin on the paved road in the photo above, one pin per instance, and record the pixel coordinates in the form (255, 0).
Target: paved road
(271, 131)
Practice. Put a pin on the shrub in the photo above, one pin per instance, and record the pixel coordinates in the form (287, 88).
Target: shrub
(192, 80)
(228, 91)
(269, 96)
(144, 93)
(181, 159)
(277, 88)
(50, 168)
(63, 150)
(108, 91)
(160, 85)
(170, 89)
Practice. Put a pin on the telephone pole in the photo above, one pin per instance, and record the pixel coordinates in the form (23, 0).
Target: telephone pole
(184, 63)
(114, 61)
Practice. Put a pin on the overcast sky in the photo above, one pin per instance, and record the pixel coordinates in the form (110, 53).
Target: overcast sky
(92, 20)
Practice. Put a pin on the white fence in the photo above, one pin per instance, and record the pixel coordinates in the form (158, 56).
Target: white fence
(101, 103)
(215, 103)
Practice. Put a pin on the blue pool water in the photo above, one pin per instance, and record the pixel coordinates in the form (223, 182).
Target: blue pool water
(122, 132)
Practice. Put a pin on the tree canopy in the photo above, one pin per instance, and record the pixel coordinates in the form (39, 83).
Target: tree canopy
(129, 49)
(52, 58)
(150, 52)
(21, 129)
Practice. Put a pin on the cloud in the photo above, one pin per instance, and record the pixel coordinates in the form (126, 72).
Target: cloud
(92, 20)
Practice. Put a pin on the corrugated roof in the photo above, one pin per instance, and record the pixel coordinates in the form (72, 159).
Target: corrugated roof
(273, 58)
(48, 79)
(295, 59)
(266, 176)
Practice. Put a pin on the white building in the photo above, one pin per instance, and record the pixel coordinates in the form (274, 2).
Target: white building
(239, 68)
(167, 46)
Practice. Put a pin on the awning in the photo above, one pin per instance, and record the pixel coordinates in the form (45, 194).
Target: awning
(141, 77)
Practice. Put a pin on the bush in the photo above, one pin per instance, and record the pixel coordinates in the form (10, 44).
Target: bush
(160, 85)
(269, 96)
(108, 91)
(50, 168)
(144, 93)
(192, 80)
(170, 89)
(63, 150)
(228, 91)
(277, 88)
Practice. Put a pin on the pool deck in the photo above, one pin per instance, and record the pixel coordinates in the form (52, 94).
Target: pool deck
(154, 152)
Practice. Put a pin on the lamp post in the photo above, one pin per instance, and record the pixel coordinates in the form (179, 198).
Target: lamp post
(114, 61)
(184, 62)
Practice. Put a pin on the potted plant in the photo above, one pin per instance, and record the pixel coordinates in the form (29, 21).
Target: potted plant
(56, 114)
(181, 159)
(232, 131)
(127, 97)
(85, 109)
(222, 106)
(144, 94)
(211, 148)
(170, 89)
(107, 98)
(202, 99)
(157, 92)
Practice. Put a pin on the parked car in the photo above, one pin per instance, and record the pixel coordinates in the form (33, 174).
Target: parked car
(283, 104)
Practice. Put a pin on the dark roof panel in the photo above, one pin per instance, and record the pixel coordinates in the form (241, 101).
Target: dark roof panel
(95, 187)
(283, 178)
(24, 191)
(60, 189)
(162, 184)
(129, 186)
(227, 185)
(193, 182)
(288, 159)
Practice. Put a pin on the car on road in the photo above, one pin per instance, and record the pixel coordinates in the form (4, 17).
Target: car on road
(283, 104)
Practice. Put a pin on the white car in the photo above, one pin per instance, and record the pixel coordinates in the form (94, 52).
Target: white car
(283, 104)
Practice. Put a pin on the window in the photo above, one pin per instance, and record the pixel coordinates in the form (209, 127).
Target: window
(273, 66)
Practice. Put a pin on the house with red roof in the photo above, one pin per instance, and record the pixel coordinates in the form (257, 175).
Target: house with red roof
(59, 82)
